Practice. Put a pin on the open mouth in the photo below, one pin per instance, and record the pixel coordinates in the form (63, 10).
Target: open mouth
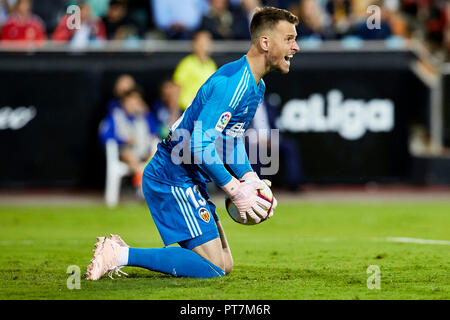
(287, 59)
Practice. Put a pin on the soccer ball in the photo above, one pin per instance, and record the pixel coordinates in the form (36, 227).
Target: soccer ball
(264, 193)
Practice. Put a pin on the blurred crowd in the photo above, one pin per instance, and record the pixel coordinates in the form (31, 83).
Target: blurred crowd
(28, 20)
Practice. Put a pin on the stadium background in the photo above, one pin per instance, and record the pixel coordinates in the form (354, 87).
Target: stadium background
(65, 90)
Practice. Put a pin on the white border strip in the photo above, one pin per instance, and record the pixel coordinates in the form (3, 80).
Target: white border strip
(416, 240)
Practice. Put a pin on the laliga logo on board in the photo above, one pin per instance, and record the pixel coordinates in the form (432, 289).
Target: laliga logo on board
(351, 118)
(16, 119)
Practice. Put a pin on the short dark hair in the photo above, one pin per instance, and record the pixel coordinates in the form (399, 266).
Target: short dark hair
(266, 18)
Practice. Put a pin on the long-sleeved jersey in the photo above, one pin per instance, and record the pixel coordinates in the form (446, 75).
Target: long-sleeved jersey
(210, 132)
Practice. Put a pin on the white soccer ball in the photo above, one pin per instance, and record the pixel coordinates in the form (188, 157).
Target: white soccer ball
(264, 193)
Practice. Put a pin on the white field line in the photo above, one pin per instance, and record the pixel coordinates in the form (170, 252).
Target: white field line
(418, 241)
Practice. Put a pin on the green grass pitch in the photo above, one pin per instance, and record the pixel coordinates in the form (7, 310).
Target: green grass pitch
(306, 251)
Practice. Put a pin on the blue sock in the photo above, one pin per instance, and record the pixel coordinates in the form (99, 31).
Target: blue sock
(177, 261)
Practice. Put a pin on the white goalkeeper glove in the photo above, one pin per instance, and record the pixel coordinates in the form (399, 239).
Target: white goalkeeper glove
(253, 176)
(245, 199)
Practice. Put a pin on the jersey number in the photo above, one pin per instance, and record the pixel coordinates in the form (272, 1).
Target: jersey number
(190, 192)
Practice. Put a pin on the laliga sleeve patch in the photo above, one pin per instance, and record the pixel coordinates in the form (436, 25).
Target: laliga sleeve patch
(223, 121)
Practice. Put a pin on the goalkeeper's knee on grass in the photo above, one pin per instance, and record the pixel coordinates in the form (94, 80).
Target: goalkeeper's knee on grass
(176, 261)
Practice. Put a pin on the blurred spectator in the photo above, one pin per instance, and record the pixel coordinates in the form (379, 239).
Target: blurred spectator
(393, 22)
(223, 23)
(167, 108)
(178, 19)
(136, 131)
(243, 15)
(139, 11)
(313, 22)
(396, 20)
(340, 12)
(123, 84)
(23, 25)
(51, 12)
(446, 44)
(428, 21)
(99, 7)
(4, 11)
(118, 24)
(91, 29)
(436, 23)
(193, 70)
(283, 4)
(249, 7)
(382, 32)
(415, 8)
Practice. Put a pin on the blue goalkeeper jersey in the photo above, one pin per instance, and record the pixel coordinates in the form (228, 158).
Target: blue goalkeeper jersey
(210, 131)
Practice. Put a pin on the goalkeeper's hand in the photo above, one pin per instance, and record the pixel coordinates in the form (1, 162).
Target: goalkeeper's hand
(245, 199)
(253, 176)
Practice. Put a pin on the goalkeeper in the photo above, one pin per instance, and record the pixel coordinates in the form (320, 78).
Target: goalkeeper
(176, 192)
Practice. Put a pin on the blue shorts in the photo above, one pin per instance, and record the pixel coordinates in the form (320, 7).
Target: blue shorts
(182, 215)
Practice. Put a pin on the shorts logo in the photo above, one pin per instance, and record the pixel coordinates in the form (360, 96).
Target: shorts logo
(223, 121)
(204, 214)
